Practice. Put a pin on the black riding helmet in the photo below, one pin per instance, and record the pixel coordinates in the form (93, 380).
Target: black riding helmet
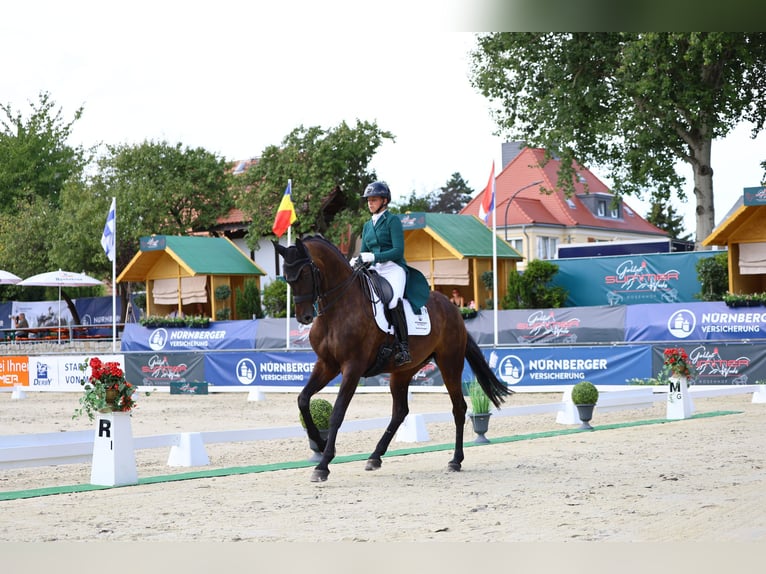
(377, 189)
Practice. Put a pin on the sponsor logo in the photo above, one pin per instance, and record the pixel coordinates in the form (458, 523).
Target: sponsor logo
(542, 326)
(42, 377)
(510, 369)
(710, 364)
(159, 369)
(158, 339)
(681, 323)
(247, 371)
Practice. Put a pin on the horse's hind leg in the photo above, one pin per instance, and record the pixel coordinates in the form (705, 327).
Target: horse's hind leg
(398, 385)
(451, 374)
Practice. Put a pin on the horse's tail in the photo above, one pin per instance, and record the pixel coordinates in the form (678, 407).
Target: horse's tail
(492, 386)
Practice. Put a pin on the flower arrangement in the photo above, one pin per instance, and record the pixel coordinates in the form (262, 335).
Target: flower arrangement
(106, 389)
(676, 363)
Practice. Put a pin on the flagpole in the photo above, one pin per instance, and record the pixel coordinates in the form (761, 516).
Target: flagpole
(287, 304)
(114, 282)
(494, 262)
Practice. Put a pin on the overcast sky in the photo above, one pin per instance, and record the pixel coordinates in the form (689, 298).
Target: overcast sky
(235, 77)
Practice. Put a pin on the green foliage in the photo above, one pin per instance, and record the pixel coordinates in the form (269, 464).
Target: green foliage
(161, 189)
(532, 289)
(663, 215)
(329, 171)
(194, 322)
(713, 276)
(35, 159)
(479, 399)
(450, 198)
(222, 292)
(320, 410)
(223, 314)
(633, 103)
(249, 301)
(584, 393)
(275, 299)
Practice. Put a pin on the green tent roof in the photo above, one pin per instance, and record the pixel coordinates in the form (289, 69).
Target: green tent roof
(464, 233)
(211, 255)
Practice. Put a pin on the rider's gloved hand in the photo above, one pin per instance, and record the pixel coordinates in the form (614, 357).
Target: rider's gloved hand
(367, 257)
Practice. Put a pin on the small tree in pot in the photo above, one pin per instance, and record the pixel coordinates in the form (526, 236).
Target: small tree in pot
(320, 410)
(585, 397)
(479, 414)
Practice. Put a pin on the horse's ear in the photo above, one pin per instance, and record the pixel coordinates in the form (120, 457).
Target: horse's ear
(301, 248)
(278, 248)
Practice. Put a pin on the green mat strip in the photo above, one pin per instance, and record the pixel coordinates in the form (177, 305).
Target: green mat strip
(218, 472)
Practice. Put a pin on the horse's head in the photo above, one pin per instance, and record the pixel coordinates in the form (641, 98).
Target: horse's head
(313, 267)
(303, 277)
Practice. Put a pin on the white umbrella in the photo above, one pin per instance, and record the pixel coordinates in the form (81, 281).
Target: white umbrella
(60, 279)
(7, 278)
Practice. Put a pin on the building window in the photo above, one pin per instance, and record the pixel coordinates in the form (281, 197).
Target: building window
(601, 207)
(615, 213)
(517, 244)
(546, 247)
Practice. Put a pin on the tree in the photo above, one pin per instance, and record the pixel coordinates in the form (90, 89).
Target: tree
(663, 215)
(453, 197)
(35, 160)
(161, 189)
(450, 198)
(329, 171)
(713, 275)
(532, 289)
(636, 103)
(413, 203)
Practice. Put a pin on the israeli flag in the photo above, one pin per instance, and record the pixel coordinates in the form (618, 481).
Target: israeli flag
(108, 237)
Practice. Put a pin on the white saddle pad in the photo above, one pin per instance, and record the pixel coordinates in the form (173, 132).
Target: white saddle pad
(416, 324)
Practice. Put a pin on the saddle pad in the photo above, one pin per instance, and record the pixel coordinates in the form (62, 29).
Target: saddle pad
(416, 324)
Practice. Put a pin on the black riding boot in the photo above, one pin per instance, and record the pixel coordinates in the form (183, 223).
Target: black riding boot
(402, 354)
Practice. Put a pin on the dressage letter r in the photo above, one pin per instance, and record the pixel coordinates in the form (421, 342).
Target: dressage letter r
(104, 428)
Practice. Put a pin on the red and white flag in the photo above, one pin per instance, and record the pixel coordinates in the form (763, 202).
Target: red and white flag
(488, 200)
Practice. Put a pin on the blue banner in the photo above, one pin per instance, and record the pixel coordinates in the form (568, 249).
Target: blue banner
(694, 322)
(219, 335)
(564, 366)
(289, 369)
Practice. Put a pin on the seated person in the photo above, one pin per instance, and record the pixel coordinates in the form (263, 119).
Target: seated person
(20, 322)
(457, 298)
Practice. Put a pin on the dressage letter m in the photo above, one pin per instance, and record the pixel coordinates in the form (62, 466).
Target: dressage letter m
(675, 387)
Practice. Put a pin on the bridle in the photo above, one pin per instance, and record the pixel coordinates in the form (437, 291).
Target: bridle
(320, 300)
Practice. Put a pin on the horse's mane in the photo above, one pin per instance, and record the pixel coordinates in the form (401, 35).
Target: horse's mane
(321, 239)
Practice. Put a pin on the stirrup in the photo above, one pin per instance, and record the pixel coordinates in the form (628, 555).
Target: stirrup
(402, 356)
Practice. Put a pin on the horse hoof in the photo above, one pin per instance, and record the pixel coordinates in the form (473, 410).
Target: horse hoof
(454, 466)
(319, 475)
(373, 464)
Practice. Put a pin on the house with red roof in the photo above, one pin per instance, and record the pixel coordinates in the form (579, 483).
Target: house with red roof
(535, 217)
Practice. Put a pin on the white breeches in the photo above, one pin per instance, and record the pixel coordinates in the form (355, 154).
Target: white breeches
(396, 276)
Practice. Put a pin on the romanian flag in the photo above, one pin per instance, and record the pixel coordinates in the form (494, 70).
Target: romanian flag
(285, 212)
(488, 200)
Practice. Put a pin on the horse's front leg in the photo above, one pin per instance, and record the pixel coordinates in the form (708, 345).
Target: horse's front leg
(322, 374)
(345, 393)
(399, 385)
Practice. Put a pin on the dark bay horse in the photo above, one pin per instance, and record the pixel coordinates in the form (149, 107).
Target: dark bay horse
(346, 339)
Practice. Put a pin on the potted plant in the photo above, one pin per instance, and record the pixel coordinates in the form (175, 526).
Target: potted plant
(480, 412)
(106, 389)
(741, 299)
(585, 397)
(320, 410)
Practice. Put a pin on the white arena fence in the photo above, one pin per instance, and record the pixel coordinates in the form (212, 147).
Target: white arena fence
(188, 448)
